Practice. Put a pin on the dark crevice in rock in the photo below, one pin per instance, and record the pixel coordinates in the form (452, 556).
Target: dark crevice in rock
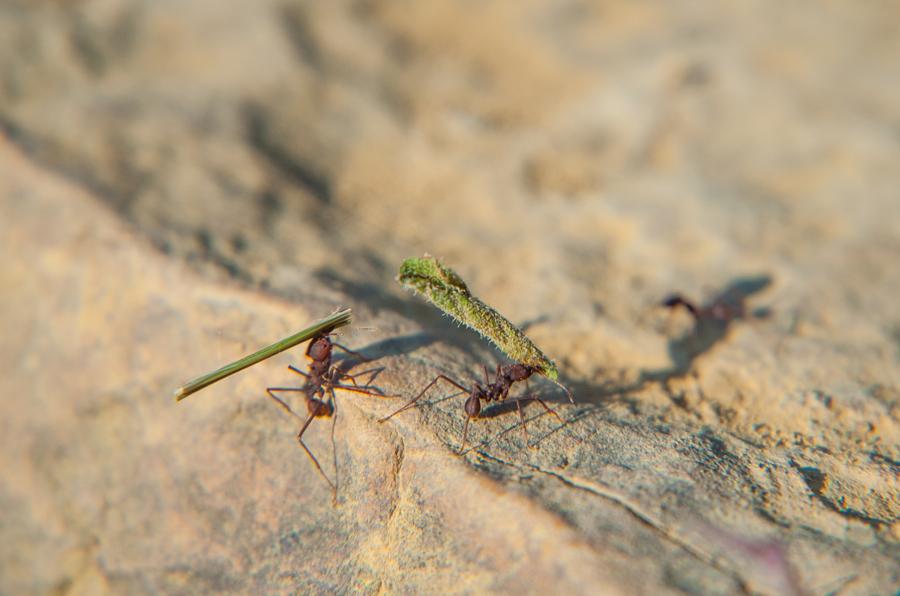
(817, 481)
(635, 510)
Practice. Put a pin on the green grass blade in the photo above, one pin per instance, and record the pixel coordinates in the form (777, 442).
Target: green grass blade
(338, 319)
(446, 290)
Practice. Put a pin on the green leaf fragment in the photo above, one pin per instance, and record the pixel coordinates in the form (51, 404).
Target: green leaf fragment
(446, 290)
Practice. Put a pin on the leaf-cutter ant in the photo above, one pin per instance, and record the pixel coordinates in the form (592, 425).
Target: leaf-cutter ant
(322, 378)
(498, 390)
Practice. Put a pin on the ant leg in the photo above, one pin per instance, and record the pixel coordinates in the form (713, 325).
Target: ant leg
(522, 419)
(271, 391)
(372, 372)
(342, 375)
(298, 371)
(313, 457)
(351, 352)
(367, 389)
(568, 393)
(364, 389)
(548, 408)
(462, 450)
(528, 398)
(422, 392)
(564, 388)
(334, 444)
(543, 405)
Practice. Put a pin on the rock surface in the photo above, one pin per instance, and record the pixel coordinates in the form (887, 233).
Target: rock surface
(181, 183)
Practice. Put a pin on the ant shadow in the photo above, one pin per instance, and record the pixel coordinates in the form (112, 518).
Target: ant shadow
(712, 323)
(378, 299)
(394, 346)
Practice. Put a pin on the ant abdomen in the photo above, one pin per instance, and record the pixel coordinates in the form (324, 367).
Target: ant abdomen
(473, 406)
(319, 409)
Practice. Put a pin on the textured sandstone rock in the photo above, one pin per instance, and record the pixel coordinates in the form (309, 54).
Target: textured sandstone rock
(180, 184)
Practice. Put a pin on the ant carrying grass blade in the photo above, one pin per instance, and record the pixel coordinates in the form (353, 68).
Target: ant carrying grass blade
(322, 378)
(498, 390)
(444, 288)
(325, 326)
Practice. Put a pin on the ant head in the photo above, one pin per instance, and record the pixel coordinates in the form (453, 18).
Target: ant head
(676, 300)
(319, 348)
(672, 300)
(519, 372)
(473, 405)
(319, 408)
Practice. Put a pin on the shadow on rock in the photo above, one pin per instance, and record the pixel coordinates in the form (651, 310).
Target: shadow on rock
(712, 322)
(392, 346)
(377, 298)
